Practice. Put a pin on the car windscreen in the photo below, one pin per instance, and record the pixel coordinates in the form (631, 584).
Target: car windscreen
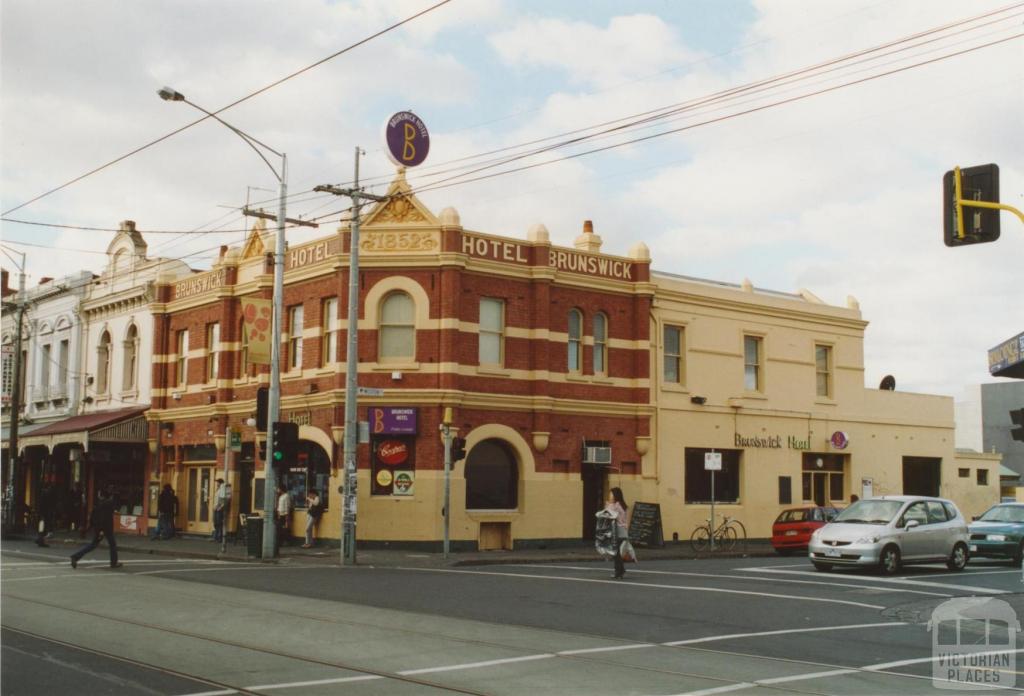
(870, 512)
(1004, 513)
(795, 516)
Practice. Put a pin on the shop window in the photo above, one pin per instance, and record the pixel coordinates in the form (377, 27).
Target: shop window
(212, 351)
(181, 361)
(492, 331)
(982, 477)
(311, 471)
(753, 379)
(600, 344)
(823, 478)
(492, 477)
(698, 479)
(295, 324)
(131, 358)
(103, 364)
(823, 371)
(673, 355)
(964, 473)
(921, 475)
(330, 327)
(397, 328)
(575, 357)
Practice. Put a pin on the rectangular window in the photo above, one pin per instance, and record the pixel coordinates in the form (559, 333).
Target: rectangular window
(45, 361)
(673, 352)
(330, 326)
(295, 338)
(823, 371)
(823, 478)
(600, 344)
(575, 357)
(212, 351)
(785, 490)
(63, 356)
(492, 330)
(964, 473)
(181, 362)
(982, 477)
(698, 480)
(752, 378)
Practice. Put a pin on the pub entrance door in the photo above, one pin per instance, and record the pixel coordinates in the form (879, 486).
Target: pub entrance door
(198, 511)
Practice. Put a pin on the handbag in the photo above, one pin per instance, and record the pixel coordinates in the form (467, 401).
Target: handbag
(627, 552)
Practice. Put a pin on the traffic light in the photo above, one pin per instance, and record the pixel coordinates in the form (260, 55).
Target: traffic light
(286, 441)
(262, 395)
(1017, 433)
(981, 225)
(458, 449)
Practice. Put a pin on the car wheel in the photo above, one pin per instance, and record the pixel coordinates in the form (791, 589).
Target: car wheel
(958, 559)
(890, 561)
(822, 567)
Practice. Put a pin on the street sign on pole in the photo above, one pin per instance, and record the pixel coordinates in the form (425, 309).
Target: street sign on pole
(236, 440)
(369, 391)
(712, 461)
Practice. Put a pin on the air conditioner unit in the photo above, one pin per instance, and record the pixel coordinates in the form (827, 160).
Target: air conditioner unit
(597, 455)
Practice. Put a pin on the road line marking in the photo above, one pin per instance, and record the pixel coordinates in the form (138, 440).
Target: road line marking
(720, 689)
(895, 581)
(733, 636)
(476, 665)
(934, 658)
(801, 677)
(317, 682)
(610, 648)
(742, 577)
(645, 584)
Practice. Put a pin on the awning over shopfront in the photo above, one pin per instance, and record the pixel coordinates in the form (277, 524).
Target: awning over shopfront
(122, 425)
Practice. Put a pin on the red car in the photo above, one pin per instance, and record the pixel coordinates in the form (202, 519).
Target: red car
(793, 528)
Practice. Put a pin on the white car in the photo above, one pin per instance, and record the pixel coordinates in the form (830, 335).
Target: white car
(892, 530)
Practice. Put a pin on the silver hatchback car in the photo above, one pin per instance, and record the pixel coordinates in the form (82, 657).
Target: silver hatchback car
(890, 531)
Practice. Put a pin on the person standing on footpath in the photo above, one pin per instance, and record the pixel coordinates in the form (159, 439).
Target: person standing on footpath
(102, 523)
(616, 505)
(313, 511)
(220, 509)
(282, 515)
(166, 510)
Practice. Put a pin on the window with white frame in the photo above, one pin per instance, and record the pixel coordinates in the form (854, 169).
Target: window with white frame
(181, 359)
(673, 354)
(243, 353)
(131, 359)
(212, 351)
(295, 323)
(45, 366)
(823, 371)
(600, 355)
(397, 328)
(492, 331)
(753, 378)
(330, 326)
(575, 347)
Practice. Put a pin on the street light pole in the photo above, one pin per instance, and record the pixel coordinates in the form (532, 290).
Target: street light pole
(274, 394)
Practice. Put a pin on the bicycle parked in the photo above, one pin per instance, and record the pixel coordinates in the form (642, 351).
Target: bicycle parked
(726, 535)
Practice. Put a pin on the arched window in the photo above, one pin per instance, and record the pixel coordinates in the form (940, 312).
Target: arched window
(397, 328)
(103, 364)
(575, 340)
(600, 344)
(492, 477)
(131, 359)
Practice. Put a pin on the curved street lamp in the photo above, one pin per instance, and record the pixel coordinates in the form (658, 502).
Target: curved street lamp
(274, 395)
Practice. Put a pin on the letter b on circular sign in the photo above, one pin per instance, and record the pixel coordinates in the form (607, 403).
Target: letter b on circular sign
(407, 139)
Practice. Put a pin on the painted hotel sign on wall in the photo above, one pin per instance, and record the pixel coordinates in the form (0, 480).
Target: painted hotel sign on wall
(389, 420)
(559, 259)
(199, 284)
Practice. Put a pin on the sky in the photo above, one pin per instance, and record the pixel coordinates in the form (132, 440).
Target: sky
(828, 179)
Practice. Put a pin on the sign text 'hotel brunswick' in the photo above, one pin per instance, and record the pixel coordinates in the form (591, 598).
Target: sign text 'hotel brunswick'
(559, 259)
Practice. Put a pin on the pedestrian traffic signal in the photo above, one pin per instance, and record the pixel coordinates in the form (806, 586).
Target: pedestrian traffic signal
(262, 399)
(980, 225)
(285, 437)
(1017, 433)
(458, 449)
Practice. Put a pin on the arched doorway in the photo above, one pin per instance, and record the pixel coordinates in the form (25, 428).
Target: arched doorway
(492, 477)
(310, 471)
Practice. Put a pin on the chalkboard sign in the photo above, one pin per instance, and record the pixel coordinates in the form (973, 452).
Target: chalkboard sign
(645, 525)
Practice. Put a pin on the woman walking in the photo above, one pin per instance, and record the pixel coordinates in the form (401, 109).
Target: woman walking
(616, 505)
(313, 511)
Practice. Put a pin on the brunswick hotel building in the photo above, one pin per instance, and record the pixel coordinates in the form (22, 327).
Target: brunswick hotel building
(568, 371)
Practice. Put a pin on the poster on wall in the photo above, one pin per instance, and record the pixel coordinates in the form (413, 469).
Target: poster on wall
(390, 455)
(405, 482)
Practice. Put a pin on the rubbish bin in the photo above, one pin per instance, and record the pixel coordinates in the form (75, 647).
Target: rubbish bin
(254, 536)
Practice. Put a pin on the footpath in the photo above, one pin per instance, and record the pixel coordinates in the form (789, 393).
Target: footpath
(326, 552)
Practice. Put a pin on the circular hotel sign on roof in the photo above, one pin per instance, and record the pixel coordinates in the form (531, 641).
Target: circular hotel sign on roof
(407, 139)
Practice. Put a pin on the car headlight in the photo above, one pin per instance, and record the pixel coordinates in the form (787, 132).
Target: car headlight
(816, 534)
(872, 539)
(997, 537)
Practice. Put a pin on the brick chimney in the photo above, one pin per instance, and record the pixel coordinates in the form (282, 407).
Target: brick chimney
(588, 241)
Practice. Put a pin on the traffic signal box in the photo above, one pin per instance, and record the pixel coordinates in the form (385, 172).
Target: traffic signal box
(1017, 432)
(285, 442)
(458, 449)
(980, 224)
